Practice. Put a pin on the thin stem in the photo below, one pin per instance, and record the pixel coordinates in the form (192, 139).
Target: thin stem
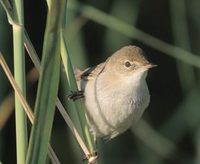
(36, 61)
(133, 32)
(33, 55)
(182, 39)
(19, 72)
(24, 103)
(73, 86)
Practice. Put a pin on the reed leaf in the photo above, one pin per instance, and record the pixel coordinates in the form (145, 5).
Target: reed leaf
(48, 85)
(80, 116)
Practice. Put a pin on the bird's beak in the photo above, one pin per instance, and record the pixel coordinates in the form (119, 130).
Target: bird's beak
(149, 65)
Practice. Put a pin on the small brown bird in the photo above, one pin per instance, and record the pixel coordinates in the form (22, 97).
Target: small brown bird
(115, 91)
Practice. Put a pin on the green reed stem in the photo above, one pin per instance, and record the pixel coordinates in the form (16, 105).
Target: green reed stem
(48, 85)
(19, 73)
(80, 116)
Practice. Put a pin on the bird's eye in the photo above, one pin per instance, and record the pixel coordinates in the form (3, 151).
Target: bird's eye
(127, 64)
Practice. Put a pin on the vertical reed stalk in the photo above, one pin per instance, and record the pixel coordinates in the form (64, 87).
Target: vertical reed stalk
(19, 72)
(73, 86)
(181, 39)
(48, 85)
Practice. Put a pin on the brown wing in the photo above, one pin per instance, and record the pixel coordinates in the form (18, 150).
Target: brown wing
(91, 73)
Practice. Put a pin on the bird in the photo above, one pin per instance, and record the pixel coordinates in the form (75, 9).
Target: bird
(115, 91)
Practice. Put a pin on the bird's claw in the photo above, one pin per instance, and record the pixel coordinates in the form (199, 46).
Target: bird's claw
(75, 95)
(92, 158)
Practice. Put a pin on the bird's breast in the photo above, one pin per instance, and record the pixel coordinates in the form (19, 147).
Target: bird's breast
(113, 108)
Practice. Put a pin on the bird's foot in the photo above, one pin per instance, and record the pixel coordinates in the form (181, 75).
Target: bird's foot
(92, 158)
(76, 95)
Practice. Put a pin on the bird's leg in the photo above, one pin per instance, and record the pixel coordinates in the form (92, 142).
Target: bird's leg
(92, 158)
(94, 135)
(75, 95)
(95, 138)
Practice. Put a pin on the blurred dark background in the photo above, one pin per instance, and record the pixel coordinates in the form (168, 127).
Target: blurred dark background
(169, 132)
